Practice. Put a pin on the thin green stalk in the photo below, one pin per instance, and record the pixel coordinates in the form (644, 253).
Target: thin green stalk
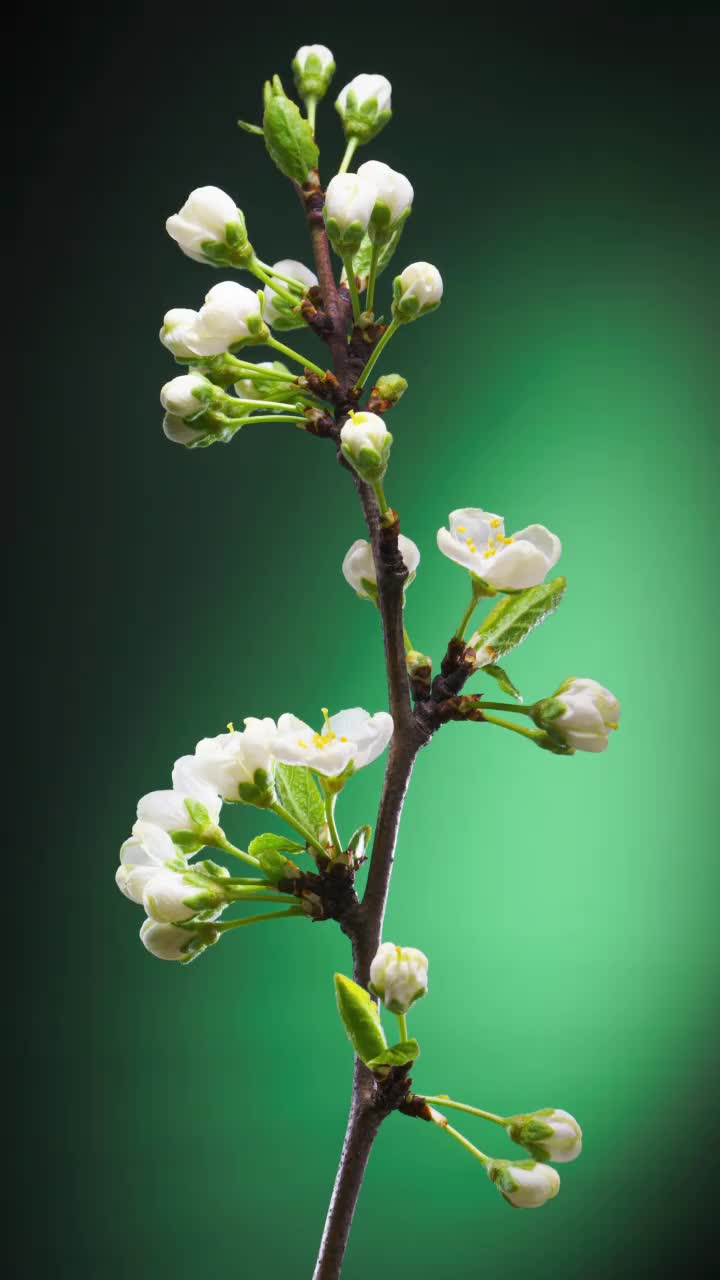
(253, 371)
(270, 915)
(221, 842)
(479, 1155)
(261, 404)
(260, 417)
(533, 734)
(311, 105)
(391, 329)
(253, 895)
(307, 836)
(370, 295)
(293, 355)
(507, 706)
(474, 600)
(330, 802)
(349, 153)
(294, 284)
(352, 284)
(379, 492)
(402, 1025)
(268, 280)
(441, 1101)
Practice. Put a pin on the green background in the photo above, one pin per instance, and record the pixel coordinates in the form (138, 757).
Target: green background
(188, 1121)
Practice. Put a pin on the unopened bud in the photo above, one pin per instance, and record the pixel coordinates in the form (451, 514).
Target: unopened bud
(399, 976)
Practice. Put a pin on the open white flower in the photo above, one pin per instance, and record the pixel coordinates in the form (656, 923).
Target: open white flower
(226, 761)
(349, 202)
(417, 290)
(582, 712)
(208, 226)
(523, 1183)
(313, 68)
(393, 197)
(172, 896)
(278, 312)
(550, 1134)
(359, 566)
(171, 942)
(177, 326)
(188, 395)
(230, 317)
(352, 737)
(365, 106)
(399, 976)
(476, 540)
(173, 810)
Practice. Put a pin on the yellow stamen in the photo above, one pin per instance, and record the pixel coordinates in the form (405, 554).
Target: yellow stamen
(461, 528)
(230, 726)
(302, 744)
(495, 524)
(612, 724)
(488, 554)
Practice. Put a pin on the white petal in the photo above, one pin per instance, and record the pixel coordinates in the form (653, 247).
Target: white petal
(518, 566)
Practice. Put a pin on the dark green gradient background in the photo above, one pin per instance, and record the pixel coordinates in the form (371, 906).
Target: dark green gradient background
(188, 1122)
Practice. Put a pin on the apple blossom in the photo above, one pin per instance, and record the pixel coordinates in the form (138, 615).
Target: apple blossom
(359, 566)
(393, 199)
(278, 313)
(417, 290)
(193, 808)
(172, 896)
(230, 317)
(173, 942)
(178, 324)
(211, 228)
(365, 106)
(581, 713)
(350, 739)
(231, 760)
(476, 540)
(349, 203)
(365, 442)
(399, 976)
(188, 395)
(313, 68)
(523, 1183)
(550, 1134)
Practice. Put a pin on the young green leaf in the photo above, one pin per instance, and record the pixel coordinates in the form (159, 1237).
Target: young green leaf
(298, 793)
(513, 618)
(504, 681)
(360, 1018)
(397, 1055)
(288, 137)
(269, 842)
(361, 260)
(359, 841)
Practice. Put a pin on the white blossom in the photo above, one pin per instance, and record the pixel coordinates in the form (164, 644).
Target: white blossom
(148, 851)
(365, 442)
(365, 106)
(171, 942)
(352, 737)
(278, 311)
(229, 317)
(349, 202)
(588, 712)
(171, 896)
(204, 220)
(313, 68)
(392, 189)
(551, 1134)
(476, 540)
(417, 290)
(229, 759)
(171, 810)
(179, 431)
(179, 396)
(265, 388)
(177, 325)
(523, 1183)
(359, 566)
(399, 976)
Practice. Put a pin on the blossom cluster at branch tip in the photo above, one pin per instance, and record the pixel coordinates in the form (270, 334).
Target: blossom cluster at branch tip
(476, 540)
(399, 976)
(581, 714)
(359, 566)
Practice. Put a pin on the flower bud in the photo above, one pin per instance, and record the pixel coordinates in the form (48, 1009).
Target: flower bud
(365, 442)
(132, 880)
(359, 566)
(349, 202)
(266, 388)
(387, 391)
(365, 106)
(393, 199)
(550, 1134)
(178, 431)
(313, 68)
(172, 896)
(230, 318)
(399, 976)
(278, 313)
(171, 942)
(188, 396)
(211, 228)
(417, 290)
(579, 715)
(177, 325)
(288, 136)
(523, 1183)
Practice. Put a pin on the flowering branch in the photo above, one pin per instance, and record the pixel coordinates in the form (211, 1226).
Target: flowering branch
(288, 770)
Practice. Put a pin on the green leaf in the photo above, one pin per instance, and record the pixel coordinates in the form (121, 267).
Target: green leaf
(250, 128)
(360, 1018)
(504, 681)
(361, 259)
(514, 617)
(288, 137)
(298, 793)
(359, 841)
(397, 1055)
(269, 842)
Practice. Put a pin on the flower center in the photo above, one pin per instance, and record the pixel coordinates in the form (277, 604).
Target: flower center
(322, 740)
